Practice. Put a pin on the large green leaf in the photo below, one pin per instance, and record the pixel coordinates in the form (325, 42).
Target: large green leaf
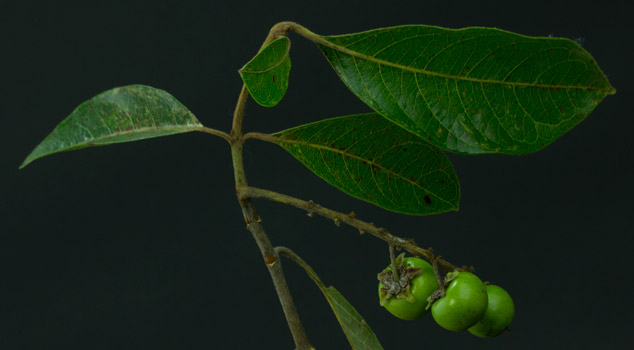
(266, 75)
(123, 114)
(374, 160)
(473, 90)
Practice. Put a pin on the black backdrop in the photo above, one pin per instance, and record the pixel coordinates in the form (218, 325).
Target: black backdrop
(142, 245)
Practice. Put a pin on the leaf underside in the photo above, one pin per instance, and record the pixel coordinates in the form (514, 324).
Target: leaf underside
(359, 334)
(370, 158)
(473, 90)
(266, 75)
(122, 114)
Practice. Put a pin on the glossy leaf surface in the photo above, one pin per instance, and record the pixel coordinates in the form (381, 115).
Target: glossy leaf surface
(370, 158)
(266, 75)
(123, 114)
(473, 90)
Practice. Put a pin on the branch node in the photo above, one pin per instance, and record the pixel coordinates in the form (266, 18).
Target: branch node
(309, 208)
(352, 215)
(270, 260)
(337, 222)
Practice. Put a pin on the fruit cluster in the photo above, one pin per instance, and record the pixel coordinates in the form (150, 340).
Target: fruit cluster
(484, 310)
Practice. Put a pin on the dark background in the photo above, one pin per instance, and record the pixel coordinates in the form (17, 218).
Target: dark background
(143, 246)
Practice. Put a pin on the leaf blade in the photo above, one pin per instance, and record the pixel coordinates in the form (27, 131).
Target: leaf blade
(266, 75)
(472, 90)
(123, 114)
(374, 160)
(357, 331)
(359, 334)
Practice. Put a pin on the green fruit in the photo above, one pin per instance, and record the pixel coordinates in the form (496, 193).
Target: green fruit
(498, 316)
(464, 304)
(405, 300)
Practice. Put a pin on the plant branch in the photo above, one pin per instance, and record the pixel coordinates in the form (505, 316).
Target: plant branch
(282, 28)
(351, 220)
(271, 257)
(238, 114)
(260, 136)
(215, 132)
(299, 261)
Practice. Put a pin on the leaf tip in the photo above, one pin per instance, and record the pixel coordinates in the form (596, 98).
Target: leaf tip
(28, 160)
(612, 91)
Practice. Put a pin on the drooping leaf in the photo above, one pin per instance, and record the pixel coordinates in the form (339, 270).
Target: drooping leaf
(359, 334)
(123, 114)
(266, 75)
(371, 158)
(473, 90)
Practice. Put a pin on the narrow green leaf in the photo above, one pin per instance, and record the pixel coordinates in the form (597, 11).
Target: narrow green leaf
(123, 114)
(473, 90)
(372, 159)
(359, 334)
(266, 75)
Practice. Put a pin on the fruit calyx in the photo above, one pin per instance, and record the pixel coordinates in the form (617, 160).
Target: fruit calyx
(440, 292)
(399, 288)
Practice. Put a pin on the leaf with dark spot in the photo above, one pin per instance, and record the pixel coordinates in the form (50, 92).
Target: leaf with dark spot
(368, 162)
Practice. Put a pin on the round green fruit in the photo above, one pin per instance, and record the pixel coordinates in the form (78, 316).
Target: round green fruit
(465, 303)
(498, 316)
(411, 303)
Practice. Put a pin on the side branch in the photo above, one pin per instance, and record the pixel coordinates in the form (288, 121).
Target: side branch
(350, 219)
(260, 136)
(215, 132)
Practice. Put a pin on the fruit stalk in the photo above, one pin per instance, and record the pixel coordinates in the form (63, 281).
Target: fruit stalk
(395, 275)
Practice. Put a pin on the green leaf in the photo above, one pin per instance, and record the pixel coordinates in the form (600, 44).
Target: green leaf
(473, 90)
(374, 160)
(359, 334)
(123, 114)
(266, 75)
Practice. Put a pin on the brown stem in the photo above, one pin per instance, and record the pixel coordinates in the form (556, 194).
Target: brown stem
(238, 114)
(271, 257)
(299, 261)
(351, 220)
(439, 279)
(393, 262)
(215, 132)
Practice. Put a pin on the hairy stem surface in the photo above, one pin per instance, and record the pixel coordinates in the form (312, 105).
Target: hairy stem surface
(407, 244)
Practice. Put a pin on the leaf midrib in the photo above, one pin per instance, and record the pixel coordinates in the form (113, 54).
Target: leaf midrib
(137, 130)
(323, 41)
(281, 61)
(390, 172)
